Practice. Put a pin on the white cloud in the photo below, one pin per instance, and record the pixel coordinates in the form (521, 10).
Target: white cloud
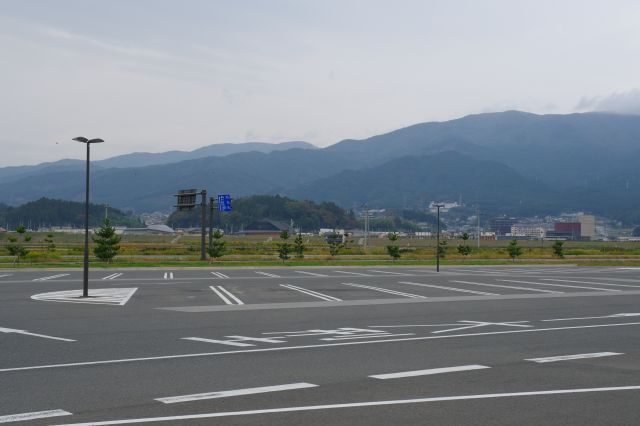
(627, 102)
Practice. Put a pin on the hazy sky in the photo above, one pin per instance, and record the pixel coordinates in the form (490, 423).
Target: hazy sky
(160, 75)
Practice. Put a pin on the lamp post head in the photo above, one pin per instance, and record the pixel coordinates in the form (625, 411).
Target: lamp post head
(85, 140)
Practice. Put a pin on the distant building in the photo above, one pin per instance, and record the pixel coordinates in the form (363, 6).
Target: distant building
(502, 225)
(446, 206)
(565, 231)
(530, 231)
(587, 225)
(2, 229)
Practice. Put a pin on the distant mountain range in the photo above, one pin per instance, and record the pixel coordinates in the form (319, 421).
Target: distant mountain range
(510, 162)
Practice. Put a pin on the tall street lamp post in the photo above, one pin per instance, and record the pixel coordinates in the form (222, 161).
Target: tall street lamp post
(85, 280)
(438, 206)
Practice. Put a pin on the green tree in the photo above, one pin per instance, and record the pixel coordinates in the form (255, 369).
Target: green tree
(514, 250)
(217, 248)
(464, 249)
(50, 244)
(442, 249)
(393, 249)
(284, 248)
(335, 242)
(107, 242)
(298, 246)
(16, 249)
(558, 249)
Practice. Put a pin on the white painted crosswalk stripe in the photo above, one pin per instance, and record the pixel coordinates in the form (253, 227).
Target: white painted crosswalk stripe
(462, 290)
(572, 357)
(321, 296)
(52, 277)
(312, 274)
(384, 290)
(428, 372)
(238, 392)
(168, 275)
(23, 417)
(226, 296)
(220, 275)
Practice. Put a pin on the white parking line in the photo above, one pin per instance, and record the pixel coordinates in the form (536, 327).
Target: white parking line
(227, 297)
(33, 416)
(572, 357)
(267, 274)
(384, 290)
(390, 273)
(428, 372)
(354, 273)
(237, 392)
(52, 277)
(450, 288)
(112, 276)
(220, 275)
(5, 275)
(560, 285)
(289, 348)
(590, 282)
(507, 286)
(311, 273)
(168, 275)
(26, 333)
(357, 405)
(324, 297)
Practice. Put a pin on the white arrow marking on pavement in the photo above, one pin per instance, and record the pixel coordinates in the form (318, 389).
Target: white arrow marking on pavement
(26, 333)
(428, 372)
(238, 392)
(355, 405)
(33, 416)
(605, 316)
(572, 357)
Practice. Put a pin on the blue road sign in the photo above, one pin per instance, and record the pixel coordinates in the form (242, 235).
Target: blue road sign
(224, 202)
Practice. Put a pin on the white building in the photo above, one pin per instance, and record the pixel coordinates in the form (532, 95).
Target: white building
(523, 230)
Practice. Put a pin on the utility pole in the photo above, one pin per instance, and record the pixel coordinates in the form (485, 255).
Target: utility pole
(366, 227)
(210, 221)
(438, 206)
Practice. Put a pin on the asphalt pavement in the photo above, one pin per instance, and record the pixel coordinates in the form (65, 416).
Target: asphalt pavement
(552, 345)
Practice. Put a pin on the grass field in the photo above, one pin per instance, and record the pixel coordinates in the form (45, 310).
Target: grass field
(151, 250)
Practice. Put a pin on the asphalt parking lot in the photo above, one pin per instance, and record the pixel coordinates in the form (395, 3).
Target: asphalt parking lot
(334, 345)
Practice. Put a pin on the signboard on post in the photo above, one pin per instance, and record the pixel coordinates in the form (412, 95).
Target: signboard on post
(186, 199)
(224, 203)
